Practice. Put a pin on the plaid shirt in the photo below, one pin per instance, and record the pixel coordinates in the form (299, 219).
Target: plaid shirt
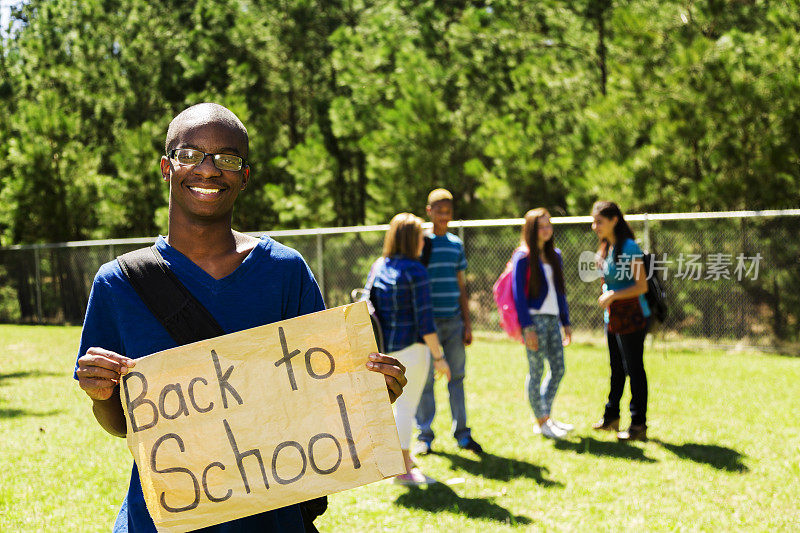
(403, 297)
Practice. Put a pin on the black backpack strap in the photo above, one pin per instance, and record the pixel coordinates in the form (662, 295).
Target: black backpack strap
(425, 258)
(173, 305)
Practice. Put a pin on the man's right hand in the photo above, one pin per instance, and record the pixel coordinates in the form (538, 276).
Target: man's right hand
(99, 372)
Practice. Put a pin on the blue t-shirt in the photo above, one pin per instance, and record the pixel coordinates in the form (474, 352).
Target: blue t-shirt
(618, 272)
(447, 259)
(403, 301)
(273, 283)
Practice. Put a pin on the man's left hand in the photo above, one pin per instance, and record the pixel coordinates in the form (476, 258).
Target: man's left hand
(393, 371)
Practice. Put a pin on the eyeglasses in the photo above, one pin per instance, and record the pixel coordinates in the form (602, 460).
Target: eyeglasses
(188, 156)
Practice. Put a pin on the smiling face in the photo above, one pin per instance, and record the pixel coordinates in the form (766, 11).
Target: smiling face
(203, 193)
(441, 214)
(545, 230)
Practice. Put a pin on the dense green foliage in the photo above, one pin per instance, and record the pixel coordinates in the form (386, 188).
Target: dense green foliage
(356, 109)
(722, 455)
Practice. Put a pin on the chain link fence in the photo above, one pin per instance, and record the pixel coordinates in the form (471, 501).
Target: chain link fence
(732, 279)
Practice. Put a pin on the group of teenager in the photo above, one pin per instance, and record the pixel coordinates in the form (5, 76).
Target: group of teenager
(244, 282)
(421, 303)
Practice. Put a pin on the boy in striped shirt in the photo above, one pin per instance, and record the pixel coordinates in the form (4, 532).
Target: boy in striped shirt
(444, 257)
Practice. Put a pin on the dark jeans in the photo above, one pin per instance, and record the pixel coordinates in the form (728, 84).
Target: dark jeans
(626, 353)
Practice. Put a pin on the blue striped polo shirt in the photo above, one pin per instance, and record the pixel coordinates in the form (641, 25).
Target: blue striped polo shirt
(447, 259)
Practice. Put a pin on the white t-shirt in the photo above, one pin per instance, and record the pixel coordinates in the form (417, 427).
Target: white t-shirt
(550, 304)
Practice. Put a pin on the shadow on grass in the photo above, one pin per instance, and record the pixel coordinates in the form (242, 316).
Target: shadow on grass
(605, 448)
(28, 374)
(500, 468)
(19, 413)
(439, 497)
(719, 457)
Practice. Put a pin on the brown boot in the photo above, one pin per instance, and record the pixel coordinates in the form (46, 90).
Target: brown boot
(633, 433)
(606, 425)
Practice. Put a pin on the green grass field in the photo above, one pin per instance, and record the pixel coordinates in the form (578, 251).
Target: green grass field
(724, 453)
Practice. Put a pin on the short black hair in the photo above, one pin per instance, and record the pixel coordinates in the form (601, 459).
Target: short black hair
(205, 113)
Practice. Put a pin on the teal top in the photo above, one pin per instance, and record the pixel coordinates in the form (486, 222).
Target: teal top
(618, 274)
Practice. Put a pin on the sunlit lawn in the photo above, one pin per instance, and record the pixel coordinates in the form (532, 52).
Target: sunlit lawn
(724, 452)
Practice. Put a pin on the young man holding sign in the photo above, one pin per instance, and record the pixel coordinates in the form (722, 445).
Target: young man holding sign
(242, 281)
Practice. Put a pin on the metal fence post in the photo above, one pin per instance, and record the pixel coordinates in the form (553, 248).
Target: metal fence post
(646, 233)
(320, 266)
(36, 258)
(461, 232)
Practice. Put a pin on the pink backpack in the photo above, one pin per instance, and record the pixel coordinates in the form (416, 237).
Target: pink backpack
(504, 298)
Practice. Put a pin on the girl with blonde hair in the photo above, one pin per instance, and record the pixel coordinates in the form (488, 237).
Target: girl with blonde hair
(402, 301)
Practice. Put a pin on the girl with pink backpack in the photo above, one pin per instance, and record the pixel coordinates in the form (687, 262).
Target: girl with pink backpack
(538, 290)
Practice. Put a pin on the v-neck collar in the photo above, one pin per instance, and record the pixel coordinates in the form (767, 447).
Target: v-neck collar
(180, 263)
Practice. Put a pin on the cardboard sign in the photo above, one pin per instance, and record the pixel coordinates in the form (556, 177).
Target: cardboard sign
(260, 419)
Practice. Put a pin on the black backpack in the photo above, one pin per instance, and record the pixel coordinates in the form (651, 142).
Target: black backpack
(368, 295)
(425, 258)
(656, 296)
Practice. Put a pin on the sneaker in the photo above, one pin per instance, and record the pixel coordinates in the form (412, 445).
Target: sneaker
(563, 425)
(470, 444)
(551, 431)
(606, 425)
(633, 433)
(414, 478)
(422, 448)
(537, 430)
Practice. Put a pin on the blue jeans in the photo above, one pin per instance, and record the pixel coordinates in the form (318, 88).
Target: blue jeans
(451, 336)
(542, 392)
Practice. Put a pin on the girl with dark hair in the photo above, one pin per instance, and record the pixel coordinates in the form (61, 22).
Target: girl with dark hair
(540, 300)
(626, 316)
